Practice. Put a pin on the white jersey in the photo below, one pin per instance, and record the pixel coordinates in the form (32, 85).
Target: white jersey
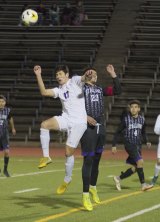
(72, 99)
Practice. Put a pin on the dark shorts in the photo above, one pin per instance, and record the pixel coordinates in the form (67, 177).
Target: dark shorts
(134, 153)
(93, 140)
(4, 142)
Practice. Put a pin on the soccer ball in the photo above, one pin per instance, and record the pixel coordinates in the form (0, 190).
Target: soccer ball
(29, 17)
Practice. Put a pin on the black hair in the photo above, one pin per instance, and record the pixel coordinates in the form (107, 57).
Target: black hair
(135, 101)
(63, 68)
(3, 97)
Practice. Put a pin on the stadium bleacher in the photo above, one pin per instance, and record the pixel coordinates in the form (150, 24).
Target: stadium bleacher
(23, 47)
(141, 74)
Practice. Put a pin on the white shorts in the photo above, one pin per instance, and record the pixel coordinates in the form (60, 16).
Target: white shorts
(74, 130)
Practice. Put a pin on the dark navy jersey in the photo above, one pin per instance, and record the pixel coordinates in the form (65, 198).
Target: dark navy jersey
(133, 129)
(5, 115)
(94, 102)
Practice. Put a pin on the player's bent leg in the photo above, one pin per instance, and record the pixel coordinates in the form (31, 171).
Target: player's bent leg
(50, 124)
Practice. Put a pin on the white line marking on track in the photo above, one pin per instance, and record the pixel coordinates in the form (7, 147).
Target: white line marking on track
(27, 190)
(137, 213)
(52, 171)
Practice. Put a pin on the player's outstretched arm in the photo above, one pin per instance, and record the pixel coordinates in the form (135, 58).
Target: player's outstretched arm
(44, 92)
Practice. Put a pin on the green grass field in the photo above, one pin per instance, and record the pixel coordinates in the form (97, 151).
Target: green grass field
(30, 194)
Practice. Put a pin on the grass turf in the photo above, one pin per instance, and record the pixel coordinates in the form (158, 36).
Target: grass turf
(43, 204)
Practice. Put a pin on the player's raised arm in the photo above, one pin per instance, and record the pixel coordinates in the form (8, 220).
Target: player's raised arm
(110, 70)
(87, 75)
(44, 92)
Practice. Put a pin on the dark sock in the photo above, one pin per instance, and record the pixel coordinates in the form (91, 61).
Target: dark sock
(141, 175)
(95, 171)
(6, 161)
(86, 172)
(126, 174)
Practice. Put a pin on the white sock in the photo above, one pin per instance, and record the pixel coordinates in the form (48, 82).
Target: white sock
(156, 170)
(93, 187)
(86, 193)
(69, 167)
(45, 139)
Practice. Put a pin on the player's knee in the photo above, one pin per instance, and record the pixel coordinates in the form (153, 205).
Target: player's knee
(69, 152)
(6, 153)
(133, 169)
(88, 160)
(140, 163)
(44, 125)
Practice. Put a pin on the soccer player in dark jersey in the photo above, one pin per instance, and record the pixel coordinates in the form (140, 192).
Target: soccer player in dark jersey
(5, 116)
(133, 128)
(93, 140)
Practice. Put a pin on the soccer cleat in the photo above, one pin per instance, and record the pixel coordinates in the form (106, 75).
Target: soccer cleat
(5, 172)
(44, 162)
(117, 182)
(63, 187)
(87, 202)
(94, 194)
(154, 179)
(146, 186)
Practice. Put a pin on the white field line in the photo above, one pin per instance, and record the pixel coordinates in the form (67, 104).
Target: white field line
(137, 213)
(52, 171)
(110, 176)
(27, 190)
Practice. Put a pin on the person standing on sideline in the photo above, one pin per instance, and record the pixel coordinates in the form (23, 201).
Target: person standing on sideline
(5, 116)
(157, 166)
(73, 119)
(133, 128)
(93, 140)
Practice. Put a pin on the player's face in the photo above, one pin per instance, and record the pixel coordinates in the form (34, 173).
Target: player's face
(2, 103)
(134, 109)
(62, 77)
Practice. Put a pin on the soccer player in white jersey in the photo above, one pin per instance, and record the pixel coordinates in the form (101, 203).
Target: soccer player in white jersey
(73, 119)
(157, 166)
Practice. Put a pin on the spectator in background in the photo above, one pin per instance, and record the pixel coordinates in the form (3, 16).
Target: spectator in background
(66, 16)
(79, 14)
(54, 14)
(42, 12)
